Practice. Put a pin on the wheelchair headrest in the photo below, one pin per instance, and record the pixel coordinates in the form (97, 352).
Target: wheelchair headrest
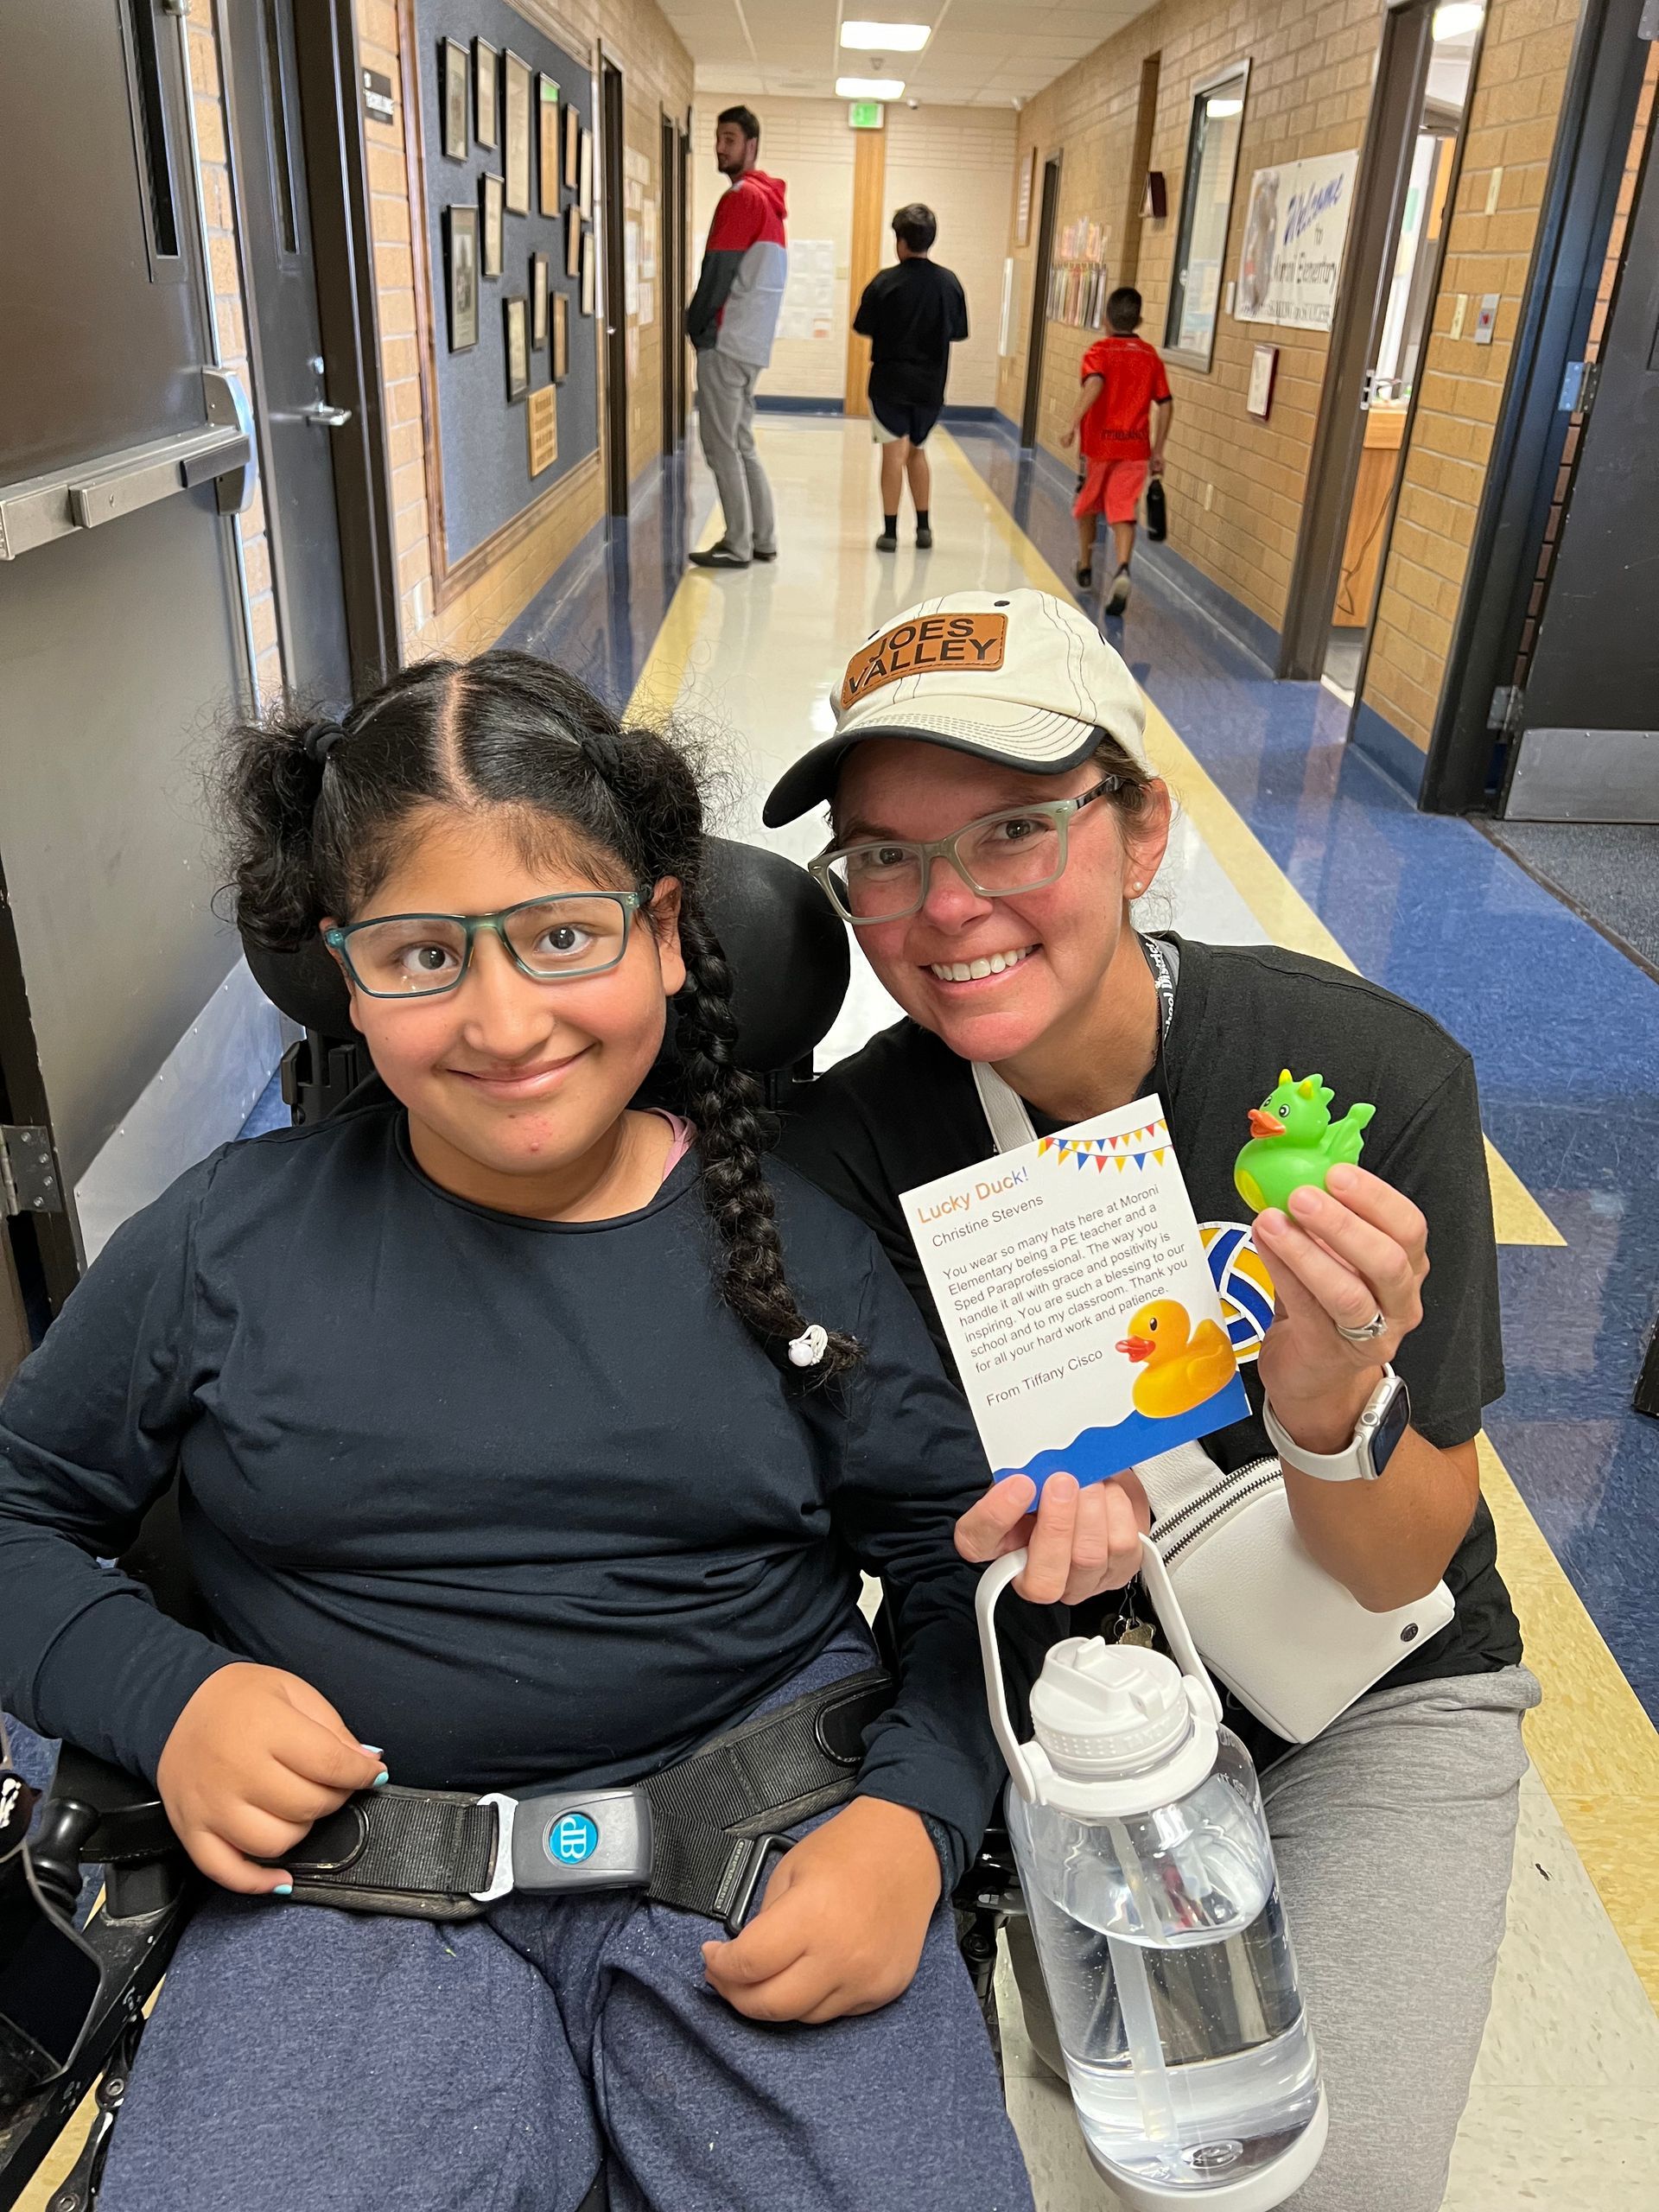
(786, 949)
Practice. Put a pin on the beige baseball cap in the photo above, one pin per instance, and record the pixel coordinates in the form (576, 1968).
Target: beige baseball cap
(1019, 677)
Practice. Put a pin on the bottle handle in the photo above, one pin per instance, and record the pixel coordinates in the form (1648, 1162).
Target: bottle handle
(1167, 1607)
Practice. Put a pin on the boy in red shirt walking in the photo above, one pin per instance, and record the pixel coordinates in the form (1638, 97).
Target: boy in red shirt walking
(1124, 383)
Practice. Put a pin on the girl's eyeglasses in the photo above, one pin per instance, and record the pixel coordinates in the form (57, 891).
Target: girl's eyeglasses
(419, 956)
(887, 879)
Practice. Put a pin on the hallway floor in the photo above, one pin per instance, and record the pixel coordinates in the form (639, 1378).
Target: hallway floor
(1286, 835)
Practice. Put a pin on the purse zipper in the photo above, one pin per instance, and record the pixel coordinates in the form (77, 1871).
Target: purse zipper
(1243, 1483)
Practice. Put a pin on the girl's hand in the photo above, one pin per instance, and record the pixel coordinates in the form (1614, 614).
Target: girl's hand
(841, 1929)
(1081, 1541)
(1068, 437)
(253, 1760)
(1342, 1254)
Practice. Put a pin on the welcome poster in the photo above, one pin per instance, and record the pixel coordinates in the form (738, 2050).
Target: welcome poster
(1075, 1292)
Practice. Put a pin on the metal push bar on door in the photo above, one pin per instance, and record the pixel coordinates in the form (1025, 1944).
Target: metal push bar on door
(53, 505)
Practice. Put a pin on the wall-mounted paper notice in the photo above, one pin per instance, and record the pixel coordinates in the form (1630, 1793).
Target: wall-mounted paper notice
(1075, 1292)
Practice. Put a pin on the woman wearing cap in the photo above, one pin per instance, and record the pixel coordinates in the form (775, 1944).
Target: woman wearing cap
(992, 815)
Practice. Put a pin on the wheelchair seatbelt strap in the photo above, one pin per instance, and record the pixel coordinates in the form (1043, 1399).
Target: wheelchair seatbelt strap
(699, 1835)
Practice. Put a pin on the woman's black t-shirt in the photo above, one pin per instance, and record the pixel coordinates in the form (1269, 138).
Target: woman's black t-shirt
(904, 1109)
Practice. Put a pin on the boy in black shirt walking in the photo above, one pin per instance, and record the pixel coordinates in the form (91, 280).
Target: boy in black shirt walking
(912, 314)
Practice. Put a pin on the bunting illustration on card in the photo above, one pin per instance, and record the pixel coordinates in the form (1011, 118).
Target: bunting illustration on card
(1087, 1321)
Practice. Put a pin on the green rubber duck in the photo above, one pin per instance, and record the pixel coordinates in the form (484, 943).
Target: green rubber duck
(1294, 1141)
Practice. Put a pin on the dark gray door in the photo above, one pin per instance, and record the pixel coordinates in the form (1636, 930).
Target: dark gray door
(121, 619)
(297, 422)
(1589, 749)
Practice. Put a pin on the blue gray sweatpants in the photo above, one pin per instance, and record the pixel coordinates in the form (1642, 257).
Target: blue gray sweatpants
(349, 2062)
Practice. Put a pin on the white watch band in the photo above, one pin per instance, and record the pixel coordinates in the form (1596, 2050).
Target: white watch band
(1349, 1465)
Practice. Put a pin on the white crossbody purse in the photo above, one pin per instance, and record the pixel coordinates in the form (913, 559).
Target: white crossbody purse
(1289, 1641)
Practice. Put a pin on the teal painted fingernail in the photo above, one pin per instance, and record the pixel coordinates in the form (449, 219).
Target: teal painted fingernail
(380, 1779)
(283, 1890)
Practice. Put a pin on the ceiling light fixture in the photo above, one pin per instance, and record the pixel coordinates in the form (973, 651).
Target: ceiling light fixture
(1456, 19)
(886, 38)
(869, 88)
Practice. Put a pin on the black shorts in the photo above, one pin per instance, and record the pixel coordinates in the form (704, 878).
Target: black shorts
(899, 418)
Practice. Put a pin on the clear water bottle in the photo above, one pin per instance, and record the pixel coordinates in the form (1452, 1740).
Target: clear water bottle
(1147, 1871)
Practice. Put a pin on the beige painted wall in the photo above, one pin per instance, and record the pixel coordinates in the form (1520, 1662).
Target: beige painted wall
(956, 159)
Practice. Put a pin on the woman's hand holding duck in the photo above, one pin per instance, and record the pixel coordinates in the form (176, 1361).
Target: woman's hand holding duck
(1339, 1257)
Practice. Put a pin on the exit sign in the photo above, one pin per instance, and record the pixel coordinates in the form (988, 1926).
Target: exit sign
(865, 115)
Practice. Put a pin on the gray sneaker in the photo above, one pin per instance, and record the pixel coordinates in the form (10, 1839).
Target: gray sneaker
(1118, 598)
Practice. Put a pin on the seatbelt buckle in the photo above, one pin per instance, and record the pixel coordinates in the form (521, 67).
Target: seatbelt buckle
(762, 1849)
(557, 1842)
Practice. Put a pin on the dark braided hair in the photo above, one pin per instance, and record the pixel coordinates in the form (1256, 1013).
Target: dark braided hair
(317, 814)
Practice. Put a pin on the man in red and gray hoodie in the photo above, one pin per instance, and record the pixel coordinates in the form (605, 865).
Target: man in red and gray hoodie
(730, 321)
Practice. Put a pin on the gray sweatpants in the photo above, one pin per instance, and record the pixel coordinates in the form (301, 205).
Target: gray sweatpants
(725, 418)
(1394, 1832)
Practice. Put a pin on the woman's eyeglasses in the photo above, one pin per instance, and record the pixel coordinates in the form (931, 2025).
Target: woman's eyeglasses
(887, 879)
(418, 956)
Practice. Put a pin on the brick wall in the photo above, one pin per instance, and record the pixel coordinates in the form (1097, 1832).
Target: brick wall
(1236, 483)
(1515, 100)
(231, 325)
(657, 78)
(956, 161)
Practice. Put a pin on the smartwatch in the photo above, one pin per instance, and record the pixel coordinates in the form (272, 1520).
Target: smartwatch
(1384, 1420)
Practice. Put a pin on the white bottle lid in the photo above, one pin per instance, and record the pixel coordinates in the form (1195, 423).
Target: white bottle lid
(1118, 1727)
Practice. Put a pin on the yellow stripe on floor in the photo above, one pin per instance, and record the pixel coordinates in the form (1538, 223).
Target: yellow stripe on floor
(1590, 1739)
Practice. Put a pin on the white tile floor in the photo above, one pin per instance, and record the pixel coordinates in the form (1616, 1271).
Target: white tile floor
(1564, 2107)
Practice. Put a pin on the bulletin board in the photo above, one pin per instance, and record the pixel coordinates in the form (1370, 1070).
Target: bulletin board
(483, 441)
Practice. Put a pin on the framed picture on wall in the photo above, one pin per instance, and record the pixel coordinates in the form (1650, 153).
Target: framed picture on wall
(585, 188)
(538, 299)
(460, 264)
(547, 145)
(573, 240)
(516, 134)
(587, 272)
(491, 245)
(1027, 185)
(561, 337)
(487, 93)
(517, 346)
(453, 83)
(572, 146)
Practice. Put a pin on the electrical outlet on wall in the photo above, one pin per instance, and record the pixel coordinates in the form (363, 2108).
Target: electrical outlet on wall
(1459, 309)
(1209, 497)
(1494, 186)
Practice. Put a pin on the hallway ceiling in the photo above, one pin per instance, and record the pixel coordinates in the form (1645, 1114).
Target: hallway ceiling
(982, 53)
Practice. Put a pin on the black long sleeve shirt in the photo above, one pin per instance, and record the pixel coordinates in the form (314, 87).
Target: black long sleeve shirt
(523, 1499)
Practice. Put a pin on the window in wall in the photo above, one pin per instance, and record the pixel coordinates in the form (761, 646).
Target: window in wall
(1207, 204)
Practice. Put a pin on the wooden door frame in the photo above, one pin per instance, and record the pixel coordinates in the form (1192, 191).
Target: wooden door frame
(612, 303)
(673, 359)
(1048, 208)
(335, 163)
(1380, 187)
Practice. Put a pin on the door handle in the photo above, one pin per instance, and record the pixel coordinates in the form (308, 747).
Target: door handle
(325, 417)
(96, 491)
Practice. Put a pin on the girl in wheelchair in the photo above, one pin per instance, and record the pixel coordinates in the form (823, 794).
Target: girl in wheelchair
(512, 1452)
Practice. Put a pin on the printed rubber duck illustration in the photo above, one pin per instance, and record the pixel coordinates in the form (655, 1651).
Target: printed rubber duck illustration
(1183, 1365)
(1294, 1141)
